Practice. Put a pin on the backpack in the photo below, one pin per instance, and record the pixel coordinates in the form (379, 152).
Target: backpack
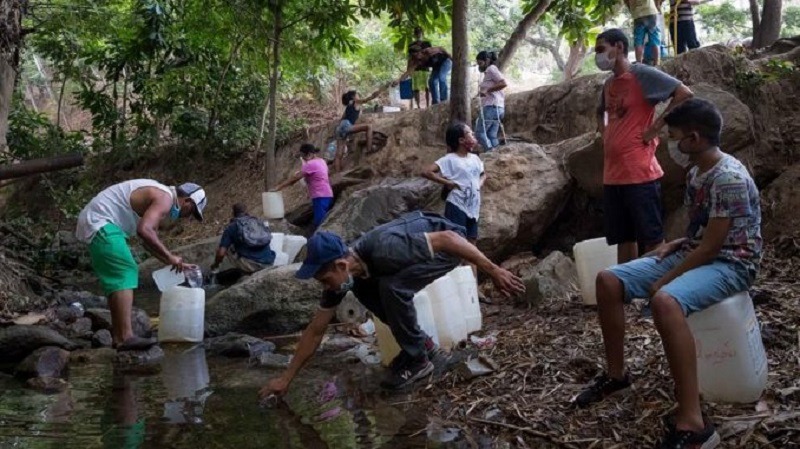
(252, 231)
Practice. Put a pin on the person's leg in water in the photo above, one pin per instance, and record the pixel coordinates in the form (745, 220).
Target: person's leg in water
(120, 304)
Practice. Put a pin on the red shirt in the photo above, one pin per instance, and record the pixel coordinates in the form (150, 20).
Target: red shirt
(629, 101)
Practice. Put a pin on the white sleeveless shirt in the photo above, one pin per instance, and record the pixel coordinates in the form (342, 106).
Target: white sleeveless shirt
(113, 205)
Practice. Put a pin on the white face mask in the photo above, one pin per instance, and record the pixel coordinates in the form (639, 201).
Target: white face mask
(680, 158)
(603, 62)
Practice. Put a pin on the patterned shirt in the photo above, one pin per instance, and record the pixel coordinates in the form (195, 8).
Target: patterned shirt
(726, 191)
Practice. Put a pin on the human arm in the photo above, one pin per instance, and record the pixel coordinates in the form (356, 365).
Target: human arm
(219, 257)
(147, 230)
(682, 93)
(658, 87)
(295, 177)
(452, 243)
(371, 97)
(306, 347)
(499, 81)
(433, 172)
(601, 112)
(710, 245)
(482, 180)
(410, 68)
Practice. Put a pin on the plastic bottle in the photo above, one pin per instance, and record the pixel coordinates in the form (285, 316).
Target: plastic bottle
(194, 276)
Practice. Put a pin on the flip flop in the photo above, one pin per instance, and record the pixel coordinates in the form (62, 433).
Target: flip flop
(136, 344)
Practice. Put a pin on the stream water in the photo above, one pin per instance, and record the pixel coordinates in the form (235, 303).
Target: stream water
(197, 401)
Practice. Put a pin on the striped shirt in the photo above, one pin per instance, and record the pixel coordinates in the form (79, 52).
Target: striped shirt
(685, 10)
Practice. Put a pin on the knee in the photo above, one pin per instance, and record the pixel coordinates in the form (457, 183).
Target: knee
(664, 305)
(606, 285)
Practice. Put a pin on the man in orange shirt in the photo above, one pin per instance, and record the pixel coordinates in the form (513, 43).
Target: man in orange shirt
(631, 173)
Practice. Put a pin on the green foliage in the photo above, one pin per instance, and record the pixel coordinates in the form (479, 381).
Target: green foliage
(31, 135)
(724, 21)
(580, 20)
(791, 21)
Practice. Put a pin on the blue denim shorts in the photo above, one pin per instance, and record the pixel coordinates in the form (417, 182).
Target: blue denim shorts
(694, 290)
(646, 26)
(343, 129)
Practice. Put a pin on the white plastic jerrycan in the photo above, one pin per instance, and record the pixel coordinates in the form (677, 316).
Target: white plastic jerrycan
(292, 244)
(387, 344)
(276, 244)
(166, 278)
(182, 315)
(272, 202)
(731, 361)
(448, 313)
(281, 259)
(468, 293)
(592, 257)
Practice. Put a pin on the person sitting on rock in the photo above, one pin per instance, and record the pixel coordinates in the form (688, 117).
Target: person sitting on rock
(118, 212)
(315, 172)
(718, 258)
(385, 268)
(249, 238)
(347, 125)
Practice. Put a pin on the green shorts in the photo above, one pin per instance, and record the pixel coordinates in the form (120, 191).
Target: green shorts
(112, 260)
(419, 80)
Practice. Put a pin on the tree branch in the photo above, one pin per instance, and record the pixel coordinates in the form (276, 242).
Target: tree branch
(550, 46)
(520, 32)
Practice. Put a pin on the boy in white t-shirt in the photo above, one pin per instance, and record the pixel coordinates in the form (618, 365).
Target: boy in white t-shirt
(461, 172)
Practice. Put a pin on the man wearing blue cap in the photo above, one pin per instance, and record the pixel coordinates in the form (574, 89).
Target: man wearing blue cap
(119, 212)
(385, 268)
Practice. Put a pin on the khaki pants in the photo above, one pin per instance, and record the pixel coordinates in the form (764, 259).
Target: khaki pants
(244, 264)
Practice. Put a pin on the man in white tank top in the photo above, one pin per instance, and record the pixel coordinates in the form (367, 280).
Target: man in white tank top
(132, 208)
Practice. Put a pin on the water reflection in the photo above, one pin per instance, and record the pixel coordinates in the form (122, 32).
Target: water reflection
(186, 379)
(123, 425)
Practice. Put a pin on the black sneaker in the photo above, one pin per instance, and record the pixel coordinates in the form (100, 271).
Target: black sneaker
(707, 438)
(401, 359)
(602, 387)
(412, 372)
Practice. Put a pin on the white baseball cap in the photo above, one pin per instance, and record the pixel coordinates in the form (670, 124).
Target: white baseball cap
(197, 195)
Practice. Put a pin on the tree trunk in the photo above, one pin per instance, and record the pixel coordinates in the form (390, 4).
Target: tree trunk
(577, 53)
(459, 99)
(755, 16)
(60, 101)
(769, 28)
(507, 53)
(271, 172)
(550, 46)
(10, 41)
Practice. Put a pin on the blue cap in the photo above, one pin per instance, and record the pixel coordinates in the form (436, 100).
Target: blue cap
(322, 248)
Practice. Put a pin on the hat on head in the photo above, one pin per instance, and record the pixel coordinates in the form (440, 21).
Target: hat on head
(197, 195)
(322, 248)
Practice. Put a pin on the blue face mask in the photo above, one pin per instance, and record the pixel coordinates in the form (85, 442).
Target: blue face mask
(175, 212)
(347, 285)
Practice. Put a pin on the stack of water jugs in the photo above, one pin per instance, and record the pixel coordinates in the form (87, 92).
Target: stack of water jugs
(447, 310)
(731, 361)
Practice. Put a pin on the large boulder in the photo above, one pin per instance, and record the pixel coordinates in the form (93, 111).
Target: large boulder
(553, 278)
(238, 345)
(16, 342)
(524, 192)
(779, 204)
(366, 208)
(737, 120)
(47, 361)
(269, 301)
(200, 253)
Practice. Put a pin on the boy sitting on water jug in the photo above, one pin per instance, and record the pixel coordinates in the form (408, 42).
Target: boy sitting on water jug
(385, 268)
(719, 257)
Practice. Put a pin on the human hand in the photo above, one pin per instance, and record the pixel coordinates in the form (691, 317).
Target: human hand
(395, 83)
(507, 282)
(650, 134)
(177, 263)
(656, 286)
(275, 386)
(663, 251)
(452, 185)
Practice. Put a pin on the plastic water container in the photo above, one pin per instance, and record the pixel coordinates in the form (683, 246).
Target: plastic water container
(281, 259)
(386, 342)
(181, 315)
(166, 278)
(272, 202)
(451, 326)
(592, 257)
(292, 244)
(731, 361)
(186, 379)
(468, 294)
(276, 244)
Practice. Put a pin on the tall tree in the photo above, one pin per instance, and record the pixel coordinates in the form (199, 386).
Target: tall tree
(767, 24)
(11, 35)
(459, 98)
(533, 12)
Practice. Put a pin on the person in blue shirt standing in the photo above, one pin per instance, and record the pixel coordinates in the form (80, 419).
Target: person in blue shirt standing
(250, 240)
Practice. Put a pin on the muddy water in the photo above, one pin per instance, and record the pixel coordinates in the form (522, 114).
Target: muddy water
(195, 401)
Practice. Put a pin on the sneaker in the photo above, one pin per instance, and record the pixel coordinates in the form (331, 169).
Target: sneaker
(412, 372)
(603, 387)
(707, 438)
(401, 359)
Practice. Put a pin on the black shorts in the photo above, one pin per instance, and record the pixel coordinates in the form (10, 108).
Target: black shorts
(633, 213)
(457, 216)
